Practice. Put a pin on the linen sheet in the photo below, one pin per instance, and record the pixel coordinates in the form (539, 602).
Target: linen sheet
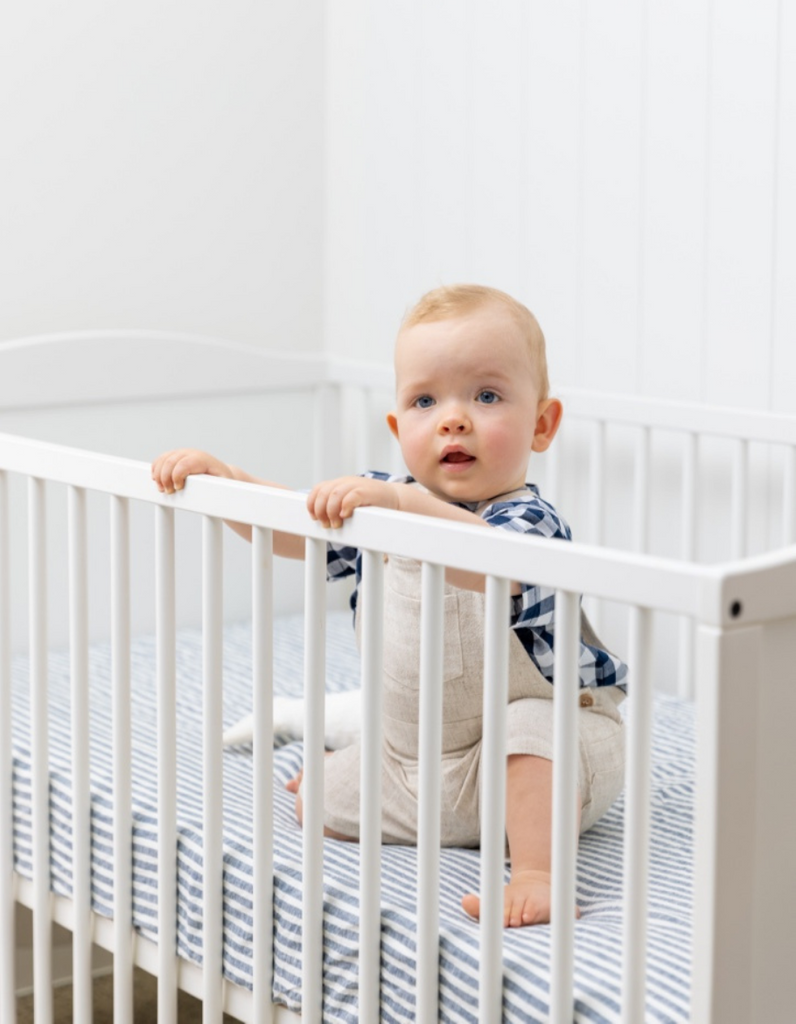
(526, 951)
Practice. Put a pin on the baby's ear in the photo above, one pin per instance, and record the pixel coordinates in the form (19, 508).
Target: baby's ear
(392, 423)
(548, 420)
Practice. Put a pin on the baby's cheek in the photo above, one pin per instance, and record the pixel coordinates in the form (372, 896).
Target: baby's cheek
(507, 449)
(413, 449)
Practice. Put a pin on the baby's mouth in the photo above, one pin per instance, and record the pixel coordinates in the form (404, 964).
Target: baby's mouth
(457, 456)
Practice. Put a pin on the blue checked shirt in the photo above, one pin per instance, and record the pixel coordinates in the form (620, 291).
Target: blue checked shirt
(533, 610)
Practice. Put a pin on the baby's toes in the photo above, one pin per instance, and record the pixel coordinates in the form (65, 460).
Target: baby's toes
(518, 911)
(534, 913)
(512, 913)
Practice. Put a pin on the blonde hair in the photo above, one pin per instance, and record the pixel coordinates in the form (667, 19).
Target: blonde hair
(454, 300)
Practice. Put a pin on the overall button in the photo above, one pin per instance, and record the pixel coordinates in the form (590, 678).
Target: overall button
(586, 700)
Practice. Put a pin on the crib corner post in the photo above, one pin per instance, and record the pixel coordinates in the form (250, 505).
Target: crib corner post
(745, 823)
(7, 910)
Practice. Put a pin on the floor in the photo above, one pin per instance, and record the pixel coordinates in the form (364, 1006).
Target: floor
(146, 1003)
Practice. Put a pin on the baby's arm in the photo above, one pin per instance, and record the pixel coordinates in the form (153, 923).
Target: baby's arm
(333, 501)
(171, 469)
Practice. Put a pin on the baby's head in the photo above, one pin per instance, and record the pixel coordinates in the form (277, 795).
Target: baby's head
(471, 392)
(451, 302)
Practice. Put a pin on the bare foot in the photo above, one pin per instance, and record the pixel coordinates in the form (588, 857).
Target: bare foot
(292, 786)
(526, 900)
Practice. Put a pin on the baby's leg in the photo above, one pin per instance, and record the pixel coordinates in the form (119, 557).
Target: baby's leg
(341, 798)
(341, 777)
(529, 821)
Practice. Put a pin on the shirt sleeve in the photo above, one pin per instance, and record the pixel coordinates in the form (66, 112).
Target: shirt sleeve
(534, 606)
(533, 609)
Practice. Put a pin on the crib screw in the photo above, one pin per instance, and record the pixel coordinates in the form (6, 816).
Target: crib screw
(735, 609)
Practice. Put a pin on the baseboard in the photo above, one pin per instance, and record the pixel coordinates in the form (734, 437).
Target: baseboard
(237, 1001)
(102, 961)
(62, 969)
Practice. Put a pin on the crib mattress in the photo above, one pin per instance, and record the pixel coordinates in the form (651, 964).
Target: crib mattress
(598, 962)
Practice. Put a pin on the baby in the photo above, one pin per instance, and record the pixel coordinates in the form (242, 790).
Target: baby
(472, 403)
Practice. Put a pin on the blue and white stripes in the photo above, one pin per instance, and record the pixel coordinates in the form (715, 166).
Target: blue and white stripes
(526, 951)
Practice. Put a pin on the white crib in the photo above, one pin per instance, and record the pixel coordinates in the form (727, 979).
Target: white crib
(728, 629)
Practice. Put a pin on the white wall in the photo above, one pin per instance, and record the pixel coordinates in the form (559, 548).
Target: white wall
(294, 175)
(626, 168)
(161, 166)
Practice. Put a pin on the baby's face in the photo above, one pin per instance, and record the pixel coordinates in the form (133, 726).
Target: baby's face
(466, 404)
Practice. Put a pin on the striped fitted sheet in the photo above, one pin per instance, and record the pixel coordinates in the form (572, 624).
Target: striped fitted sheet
(526, 951)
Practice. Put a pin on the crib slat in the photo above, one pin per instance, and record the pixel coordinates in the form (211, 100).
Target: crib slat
(263, 687)
(685, 681)
(326, 440)
(688, 509)
(597, 483)
(740, 490)
(166, 640)
(428, 816)
(39, 743)
(789, 498)
(597, 505)
(122, 751)
(358, 400)
(7, 937)
(370, 785)
(565, 788)
(641, 490)
(212, 767)
(81, 805)
(637, 818)
(312, 790)
(688, 550)
(493, 798)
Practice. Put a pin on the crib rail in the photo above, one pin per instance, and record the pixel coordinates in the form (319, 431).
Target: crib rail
(742, 427)
(691, 429)
(645, 580)
(719, 598)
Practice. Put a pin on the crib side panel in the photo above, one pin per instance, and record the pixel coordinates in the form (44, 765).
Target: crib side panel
(270, 435)
(745, 894)
(7, 925)
(775, 825)
(679, 481)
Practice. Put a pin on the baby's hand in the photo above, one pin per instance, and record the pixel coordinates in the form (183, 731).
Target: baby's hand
(333, 501)
(171, 469)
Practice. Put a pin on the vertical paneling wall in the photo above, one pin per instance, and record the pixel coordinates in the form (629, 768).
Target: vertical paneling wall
(626, 168)
(161, 165)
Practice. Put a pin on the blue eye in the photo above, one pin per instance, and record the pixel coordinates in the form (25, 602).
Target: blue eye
(488, 397)
(424, 402)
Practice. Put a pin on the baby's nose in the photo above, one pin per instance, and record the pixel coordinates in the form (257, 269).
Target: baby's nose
(454, 423)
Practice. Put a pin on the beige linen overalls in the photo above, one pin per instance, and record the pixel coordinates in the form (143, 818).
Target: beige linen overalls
(529, 728)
